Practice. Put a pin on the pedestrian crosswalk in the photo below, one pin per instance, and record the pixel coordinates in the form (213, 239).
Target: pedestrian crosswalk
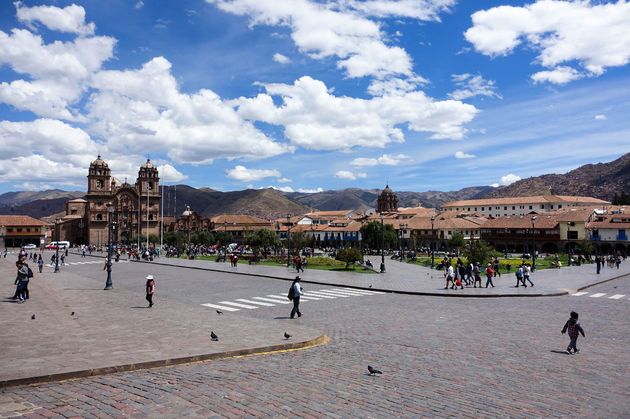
(600, 295)
(271, 300)
(88, 262)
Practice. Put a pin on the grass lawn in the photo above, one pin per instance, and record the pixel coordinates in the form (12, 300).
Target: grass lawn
(541, 262)
(320, 263)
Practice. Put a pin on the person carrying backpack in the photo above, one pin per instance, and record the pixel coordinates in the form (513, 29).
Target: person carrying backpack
(23, 275)
(297, 293)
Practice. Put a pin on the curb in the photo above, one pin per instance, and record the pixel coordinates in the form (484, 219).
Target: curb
(429, 294)
(93, 372)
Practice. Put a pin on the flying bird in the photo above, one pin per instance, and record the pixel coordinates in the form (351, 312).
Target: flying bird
(373, 370)
(213, 336)
(286, 335)
(33, 317)
(219, 312)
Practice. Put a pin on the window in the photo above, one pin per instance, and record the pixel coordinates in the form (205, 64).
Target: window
(572, 235)
(513, 207)
(468, 209)
(530, 207)
(504, 208)
(99, 217)
(551, 207)
(542, 206)
(475, 209)
(482, 208)
(559, 205)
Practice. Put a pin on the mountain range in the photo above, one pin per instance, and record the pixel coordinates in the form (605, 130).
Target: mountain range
(601, 180)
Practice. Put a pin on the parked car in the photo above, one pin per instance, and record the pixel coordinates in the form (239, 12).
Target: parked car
(30, 246)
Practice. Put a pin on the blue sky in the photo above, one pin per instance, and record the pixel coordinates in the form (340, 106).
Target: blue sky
(306, 95)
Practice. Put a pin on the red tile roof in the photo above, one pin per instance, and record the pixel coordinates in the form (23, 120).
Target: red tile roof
(20, 220)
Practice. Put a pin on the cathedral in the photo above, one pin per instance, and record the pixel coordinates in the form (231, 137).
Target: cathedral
(387, 201)
(136, 207)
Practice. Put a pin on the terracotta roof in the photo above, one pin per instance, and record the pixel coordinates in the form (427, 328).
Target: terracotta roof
(546, 221)
(608, 224)
(415, 210)
(20, 220)
(539, 199)
(573, 213)
(77, 200)
(238, 219)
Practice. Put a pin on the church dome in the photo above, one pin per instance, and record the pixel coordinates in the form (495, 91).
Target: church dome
(187, 212)
(99, 162)
(148, 164)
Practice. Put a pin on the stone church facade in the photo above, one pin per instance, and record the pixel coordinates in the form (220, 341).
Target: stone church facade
(136, 207)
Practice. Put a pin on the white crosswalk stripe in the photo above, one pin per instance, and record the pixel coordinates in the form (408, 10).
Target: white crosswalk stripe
(270, 300)
(617, 296)
(577, 294)
(260, 303)
(230, 303)
(597, 295)
(220, 307)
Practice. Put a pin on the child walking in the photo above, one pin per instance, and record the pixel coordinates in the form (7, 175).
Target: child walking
(574, 328)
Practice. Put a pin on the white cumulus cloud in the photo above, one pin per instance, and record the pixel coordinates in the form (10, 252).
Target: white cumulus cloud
(600, 117)
(316, 190)
(282, 59)
(508, 179)
(385, 160)
(169, 174)
(69, 19)
(559, 75)
(470, 85)
(313, 118)
(595, 34)
(345, 174)
(462, 155)
(341, 29)
(243, 174)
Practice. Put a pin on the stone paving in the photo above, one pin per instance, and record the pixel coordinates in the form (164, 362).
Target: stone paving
(115, 329)
(415, 279)
(441, 357)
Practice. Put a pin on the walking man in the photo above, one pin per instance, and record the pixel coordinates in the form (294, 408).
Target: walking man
(297, 293)
(489, 276)
(150, 286)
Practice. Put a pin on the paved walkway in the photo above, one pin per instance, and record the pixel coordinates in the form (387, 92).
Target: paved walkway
(115, 331)
(414, 279)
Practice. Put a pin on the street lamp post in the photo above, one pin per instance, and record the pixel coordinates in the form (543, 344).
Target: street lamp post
(361, 233)
(312, 239)
(225, 238)
(57, 246)
(110, 212)
(382, 245)
(402, 235)
(432, 243)
(288, 241)
(533, 244)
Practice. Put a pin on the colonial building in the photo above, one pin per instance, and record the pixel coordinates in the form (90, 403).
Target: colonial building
(503, 207)
(20, 230)
(136, 207)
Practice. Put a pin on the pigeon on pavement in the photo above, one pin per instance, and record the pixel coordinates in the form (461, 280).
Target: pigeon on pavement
(219, 312)
(33, 317)
(213, 336)
(72, 314)
(286, 335)
(373, 370)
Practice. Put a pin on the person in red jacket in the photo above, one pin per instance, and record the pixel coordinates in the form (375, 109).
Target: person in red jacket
(489, 274)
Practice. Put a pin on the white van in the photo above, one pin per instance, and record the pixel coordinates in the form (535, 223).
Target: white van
(61, 244)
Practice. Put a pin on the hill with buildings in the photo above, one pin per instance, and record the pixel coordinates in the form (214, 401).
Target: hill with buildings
(601, 180)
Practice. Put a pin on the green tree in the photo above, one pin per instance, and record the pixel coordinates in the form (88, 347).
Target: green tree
(175, 239)
(586, 247)
(371, 234)
(154, 239)
(477, 252)
(262, 239)
(349, 255)
(223, 238)
(202, 238)
(457, 240)
(623, 199)
(298, 242)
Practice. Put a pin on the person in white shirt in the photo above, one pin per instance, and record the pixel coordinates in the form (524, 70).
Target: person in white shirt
(297, 292)
(450, 275)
